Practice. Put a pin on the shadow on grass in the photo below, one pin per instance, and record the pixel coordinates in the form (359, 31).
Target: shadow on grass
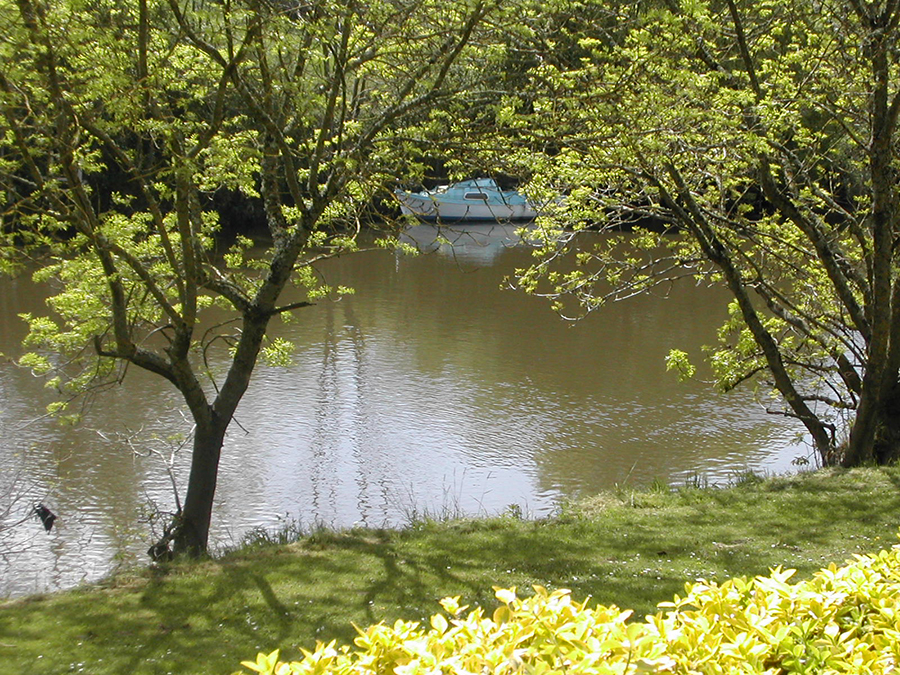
(207, 617)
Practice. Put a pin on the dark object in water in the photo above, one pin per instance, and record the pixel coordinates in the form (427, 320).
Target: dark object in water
(46, 515)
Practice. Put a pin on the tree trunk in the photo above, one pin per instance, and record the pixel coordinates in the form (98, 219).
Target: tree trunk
(887, 436)
(862, 434)
(875, 436)
(191, 534)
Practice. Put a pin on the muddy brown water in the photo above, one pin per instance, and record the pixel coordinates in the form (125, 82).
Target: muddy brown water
(429, 391)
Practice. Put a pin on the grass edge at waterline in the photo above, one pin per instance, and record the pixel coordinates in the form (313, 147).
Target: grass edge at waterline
(632, 548)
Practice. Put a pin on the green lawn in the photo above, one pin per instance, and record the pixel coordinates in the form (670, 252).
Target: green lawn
(630, 548)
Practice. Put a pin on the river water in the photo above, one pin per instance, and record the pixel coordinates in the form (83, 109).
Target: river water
(430, 391)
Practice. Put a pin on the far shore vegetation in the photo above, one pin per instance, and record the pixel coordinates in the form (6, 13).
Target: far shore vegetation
(632, 547)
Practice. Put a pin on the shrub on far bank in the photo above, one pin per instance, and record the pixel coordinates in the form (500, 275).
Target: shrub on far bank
(842, 620)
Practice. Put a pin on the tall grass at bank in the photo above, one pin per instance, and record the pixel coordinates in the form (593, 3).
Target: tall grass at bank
(633, 548)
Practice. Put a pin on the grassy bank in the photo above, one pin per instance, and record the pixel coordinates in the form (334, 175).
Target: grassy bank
(631, 548)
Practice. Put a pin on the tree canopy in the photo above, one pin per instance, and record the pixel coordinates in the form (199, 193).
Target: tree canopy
(119, 126)
(765, 135)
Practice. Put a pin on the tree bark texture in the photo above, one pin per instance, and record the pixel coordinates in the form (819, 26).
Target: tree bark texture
(873, 436)
(192, 526)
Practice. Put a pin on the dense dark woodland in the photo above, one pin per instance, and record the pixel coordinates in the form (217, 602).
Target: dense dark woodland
(764, 133)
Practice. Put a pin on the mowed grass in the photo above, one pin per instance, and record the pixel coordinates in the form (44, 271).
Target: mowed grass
(632, 548)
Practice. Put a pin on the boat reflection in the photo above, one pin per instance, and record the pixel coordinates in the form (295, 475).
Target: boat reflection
(476, 244)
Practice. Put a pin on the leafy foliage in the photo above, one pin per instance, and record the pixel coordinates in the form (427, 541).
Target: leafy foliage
(843, 620)
(110, 176)
(765, 135)
(126, 165)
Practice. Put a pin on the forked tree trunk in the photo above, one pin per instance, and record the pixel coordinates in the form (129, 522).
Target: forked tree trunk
(190, 534)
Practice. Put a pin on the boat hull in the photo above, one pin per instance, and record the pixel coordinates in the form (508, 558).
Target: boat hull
(469, 201)
(433, 210)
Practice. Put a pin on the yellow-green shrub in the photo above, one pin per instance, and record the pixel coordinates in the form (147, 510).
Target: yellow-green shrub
(843, 620)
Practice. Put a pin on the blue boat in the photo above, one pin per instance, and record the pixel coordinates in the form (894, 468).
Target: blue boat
(480, 199)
